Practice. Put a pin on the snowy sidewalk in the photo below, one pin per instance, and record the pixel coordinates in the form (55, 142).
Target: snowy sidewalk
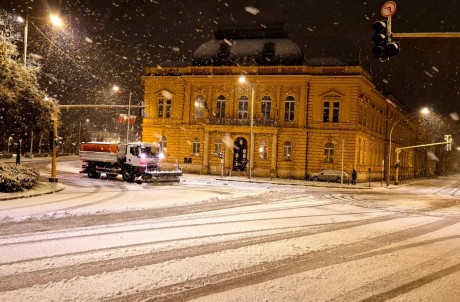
(359, 185)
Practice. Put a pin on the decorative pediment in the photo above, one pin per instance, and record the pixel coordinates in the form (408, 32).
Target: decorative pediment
(332, 95)
(166, 94)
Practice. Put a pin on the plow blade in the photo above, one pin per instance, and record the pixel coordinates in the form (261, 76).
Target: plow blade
(161, 176)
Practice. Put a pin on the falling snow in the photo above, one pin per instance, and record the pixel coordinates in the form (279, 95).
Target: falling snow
(251, 10)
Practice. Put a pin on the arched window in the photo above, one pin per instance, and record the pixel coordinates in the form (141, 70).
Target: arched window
(199, 107)
(196, 147)
(220, 108)
(329, 153)
(263, 150)
(243, 106)
(266, 107)
(289, 109)
(287, 151)
(163, 144)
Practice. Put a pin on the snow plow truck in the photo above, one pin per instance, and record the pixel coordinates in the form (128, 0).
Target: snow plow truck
(135, 162)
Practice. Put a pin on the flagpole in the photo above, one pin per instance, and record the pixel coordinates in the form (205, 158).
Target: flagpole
(129, 114)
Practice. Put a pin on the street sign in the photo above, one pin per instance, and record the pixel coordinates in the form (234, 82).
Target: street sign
(388, 9)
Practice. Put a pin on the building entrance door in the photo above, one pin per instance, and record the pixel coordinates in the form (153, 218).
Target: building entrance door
(240, 154)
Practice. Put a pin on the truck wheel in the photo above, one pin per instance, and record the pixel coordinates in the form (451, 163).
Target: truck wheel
(92, 173)
(127, 176)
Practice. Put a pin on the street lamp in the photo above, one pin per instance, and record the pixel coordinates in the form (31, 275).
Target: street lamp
(243, 80)
(55, 20)
(423, 111)
(10, 139)
(115, 88)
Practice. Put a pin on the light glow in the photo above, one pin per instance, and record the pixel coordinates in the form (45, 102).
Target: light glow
(20, 19)
(425, 111)
(242, 80)
(55, 20)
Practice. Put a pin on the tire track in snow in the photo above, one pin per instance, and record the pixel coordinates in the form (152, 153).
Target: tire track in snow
(388, 286)
(200, 287)
(61, 223)
(86, 269)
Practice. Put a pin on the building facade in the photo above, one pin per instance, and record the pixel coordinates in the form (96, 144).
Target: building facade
(306, 117)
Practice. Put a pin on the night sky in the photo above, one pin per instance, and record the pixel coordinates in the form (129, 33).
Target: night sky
(109, 42)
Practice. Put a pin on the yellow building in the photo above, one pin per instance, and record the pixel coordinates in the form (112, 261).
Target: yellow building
(308, 115)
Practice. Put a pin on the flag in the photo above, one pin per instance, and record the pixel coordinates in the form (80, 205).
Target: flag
(121, 118)
(132, 119)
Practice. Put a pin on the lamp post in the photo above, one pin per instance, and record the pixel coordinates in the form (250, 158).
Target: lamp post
(243, 80)
(54, 19)
(10, 139)
(53, 177)
(424, 111)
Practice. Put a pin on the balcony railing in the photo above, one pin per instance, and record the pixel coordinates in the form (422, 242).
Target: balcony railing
(243, 122)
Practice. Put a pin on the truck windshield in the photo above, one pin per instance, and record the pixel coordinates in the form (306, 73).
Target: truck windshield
(149, 152)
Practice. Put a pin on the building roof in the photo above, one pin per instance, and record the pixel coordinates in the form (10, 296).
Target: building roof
(325, 62)
(246, 46)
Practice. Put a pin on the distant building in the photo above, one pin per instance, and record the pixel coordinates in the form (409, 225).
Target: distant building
(308, 114)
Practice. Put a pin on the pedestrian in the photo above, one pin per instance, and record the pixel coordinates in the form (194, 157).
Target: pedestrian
(18, 153)
(354, 175)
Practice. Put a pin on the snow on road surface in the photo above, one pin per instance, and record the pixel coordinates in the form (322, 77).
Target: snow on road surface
(262, 243)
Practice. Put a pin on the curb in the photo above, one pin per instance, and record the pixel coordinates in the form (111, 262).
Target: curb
(323, 184)
(304, 183)
(51, 188)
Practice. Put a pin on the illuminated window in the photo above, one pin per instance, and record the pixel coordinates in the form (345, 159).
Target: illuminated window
(220, 109)
(164, 108)
(331, 114)
(163, 144)
(263, 150)
(168, 109)
(287, 148)
(289, 109)
(218, 147)
(160, 107)
(329, 153)
(199, 107)
(196, 147)
(243, 106)
(266, 107)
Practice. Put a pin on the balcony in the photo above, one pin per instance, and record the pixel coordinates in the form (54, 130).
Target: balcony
(264, 122)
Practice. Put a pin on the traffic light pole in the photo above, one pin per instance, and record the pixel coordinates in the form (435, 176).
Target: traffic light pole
(398, 150)
(427, 35)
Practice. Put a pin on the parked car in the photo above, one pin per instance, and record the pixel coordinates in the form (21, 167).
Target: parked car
(329, 175)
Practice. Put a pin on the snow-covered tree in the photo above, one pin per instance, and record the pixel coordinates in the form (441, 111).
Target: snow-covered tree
(24, 107)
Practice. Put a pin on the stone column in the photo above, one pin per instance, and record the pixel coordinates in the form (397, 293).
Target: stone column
(205, 167)
(273, 168)
(227, 153)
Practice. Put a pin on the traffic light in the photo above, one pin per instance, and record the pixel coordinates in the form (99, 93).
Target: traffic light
(383, 48)
(380, 38)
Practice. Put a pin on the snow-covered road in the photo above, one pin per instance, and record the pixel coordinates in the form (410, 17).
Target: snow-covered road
(208, 240)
